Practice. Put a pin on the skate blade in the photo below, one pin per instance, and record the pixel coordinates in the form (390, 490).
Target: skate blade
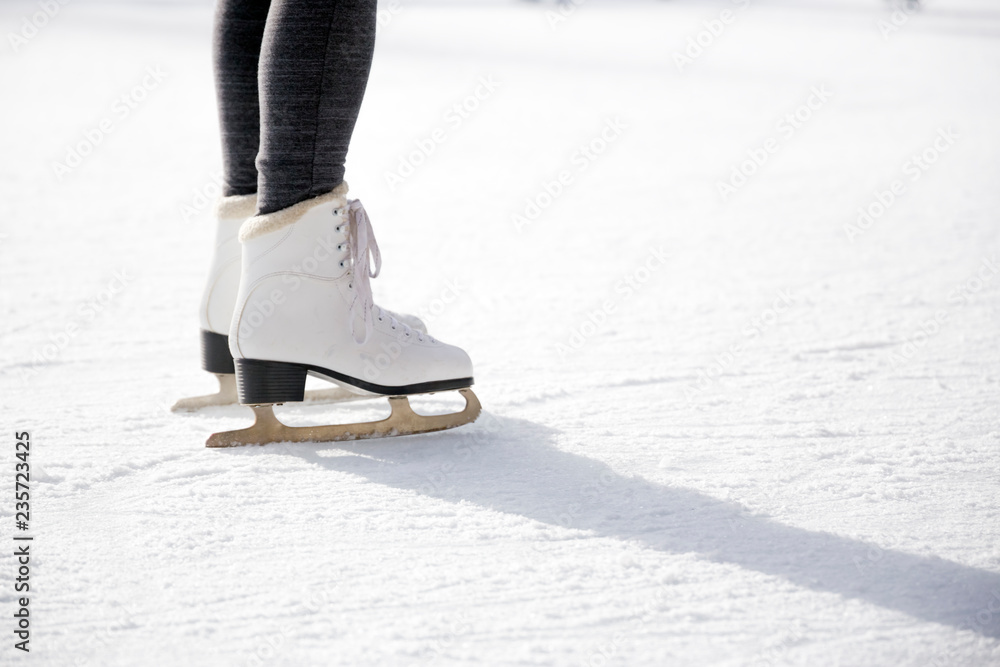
(402, 421)
(227, 396)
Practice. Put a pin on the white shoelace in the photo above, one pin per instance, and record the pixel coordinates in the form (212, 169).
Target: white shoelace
(365, 253)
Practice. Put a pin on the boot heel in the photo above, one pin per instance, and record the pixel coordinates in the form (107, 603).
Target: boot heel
(215, 356)
(263, 382)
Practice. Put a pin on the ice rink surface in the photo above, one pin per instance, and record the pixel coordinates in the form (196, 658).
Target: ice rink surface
(730, 282)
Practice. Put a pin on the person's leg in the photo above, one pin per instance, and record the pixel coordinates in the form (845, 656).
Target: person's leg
(239, 31)
(305, 303)
(313, 71)
(314, 68)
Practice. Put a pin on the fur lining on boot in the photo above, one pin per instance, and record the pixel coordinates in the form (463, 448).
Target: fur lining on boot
(270, 222)
(236, 206)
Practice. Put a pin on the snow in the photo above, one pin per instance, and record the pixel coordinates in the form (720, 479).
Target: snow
(778, 446)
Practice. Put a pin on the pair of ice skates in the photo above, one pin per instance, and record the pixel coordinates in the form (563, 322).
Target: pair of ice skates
(287, 296)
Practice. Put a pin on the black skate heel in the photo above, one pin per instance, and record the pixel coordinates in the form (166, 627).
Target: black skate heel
(264, 382)
(215, 356)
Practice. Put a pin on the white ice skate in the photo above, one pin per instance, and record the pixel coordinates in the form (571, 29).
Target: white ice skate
(216, 312)
(305, 308)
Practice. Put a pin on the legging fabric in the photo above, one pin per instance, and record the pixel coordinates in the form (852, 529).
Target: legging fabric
(290, 77)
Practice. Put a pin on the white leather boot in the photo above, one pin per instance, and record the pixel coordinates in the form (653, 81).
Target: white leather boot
(219, 296)
(219, 300)
(305, 308)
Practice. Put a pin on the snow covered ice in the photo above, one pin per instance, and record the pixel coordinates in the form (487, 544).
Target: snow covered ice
(734, 311)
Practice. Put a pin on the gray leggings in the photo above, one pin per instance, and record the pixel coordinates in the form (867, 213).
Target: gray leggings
(290, 76)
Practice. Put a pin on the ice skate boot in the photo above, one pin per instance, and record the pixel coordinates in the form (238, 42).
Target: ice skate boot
(305, 308)
(216, 311)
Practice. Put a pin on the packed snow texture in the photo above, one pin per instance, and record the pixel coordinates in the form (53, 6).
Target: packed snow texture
(730, 283)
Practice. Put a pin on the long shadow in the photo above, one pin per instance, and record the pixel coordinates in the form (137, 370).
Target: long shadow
(512, 466)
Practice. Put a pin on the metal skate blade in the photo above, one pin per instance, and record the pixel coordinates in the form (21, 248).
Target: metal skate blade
(402, 421)
(225, 396)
